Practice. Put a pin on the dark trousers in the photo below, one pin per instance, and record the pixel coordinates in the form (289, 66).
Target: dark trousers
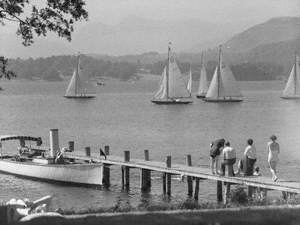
(228, 162)
(247, 166)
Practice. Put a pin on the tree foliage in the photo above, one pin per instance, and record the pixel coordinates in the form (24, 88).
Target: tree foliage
(36, 19)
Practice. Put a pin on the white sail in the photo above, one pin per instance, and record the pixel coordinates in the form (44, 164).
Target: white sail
(189, 85)
(162, 90)
(213, 87)
(203, 83)
(172, 87)
(223, 84)
(292, 87)
(85, 86)
(177, 85)
(79, 84)
(72, 87)
(228, 85)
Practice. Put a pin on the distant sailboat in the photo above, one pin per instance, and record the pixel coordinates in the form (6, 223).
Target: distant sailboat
(172, 87)
(292, 88)
(203, 83)
(189, 84)
(223, 87)
(79, 86)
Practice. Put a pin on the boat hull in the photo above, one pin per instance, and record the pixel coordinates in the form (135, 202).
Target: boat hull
(200, 96)
(75, 174)
(171, 102)
(290, 97)
(222, 100)
(80, 96)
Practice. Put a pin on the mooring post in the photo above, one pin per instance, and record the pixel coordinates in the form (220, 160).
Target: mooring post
(88, 151)
(226, 193)
(164, 177)
(71, 146)
(168, 164)
(106, 150)
(146, 175)
(3, 215)
(126, 170)
(219, 191)
(196, 194)
(106, 169)
(123, 182)
(189, 178)
(250, 191)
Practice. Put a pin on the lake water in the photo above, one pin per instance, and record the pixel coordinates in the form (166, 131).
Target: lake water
(123, 117)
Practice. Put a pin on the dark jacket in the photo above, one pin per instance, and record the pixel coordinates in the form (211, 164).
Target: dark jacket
(216, 147)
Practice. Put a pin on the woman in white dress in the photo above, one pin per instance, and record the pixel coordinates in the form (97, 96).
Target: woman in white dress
(273, 152)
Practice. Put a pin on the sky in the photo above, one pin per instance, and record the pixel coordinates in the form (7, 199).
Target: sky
(228, 11)
(243, 12)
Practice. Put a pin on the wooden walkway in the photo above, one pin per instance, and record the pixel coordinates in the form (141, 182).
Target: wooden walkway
(197, 172)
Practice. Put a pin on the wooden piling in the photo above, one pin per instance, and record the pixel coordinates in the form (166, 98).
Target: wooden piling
(196, 194)
(123, 181)
(3, 215)
(226, 193)
(219, 191)
(250, 191)
(168, 164)
(106, 150)
(71, 146)
(126, 170)
(189, 178)
(146, 175)
(106, 169)
(164, 176)
(88, 151)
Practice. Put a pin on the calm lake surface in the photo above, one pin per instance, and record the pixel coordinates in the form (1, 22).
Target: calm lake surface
(123, 117)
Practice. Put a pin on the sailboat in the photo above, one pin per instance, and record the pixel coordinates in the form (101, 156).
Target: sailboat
(189, 84)
(172, 88)
(203, 83)
(79, 86)
(292, 88)
(223, 87)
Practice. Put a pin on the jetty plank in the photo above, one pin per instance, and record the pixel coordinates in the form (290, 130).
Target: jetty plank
(197, 172)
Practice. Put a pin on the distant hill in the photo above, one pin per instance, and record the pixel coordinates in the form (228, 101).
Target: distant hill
(273, 31)
(133, 35)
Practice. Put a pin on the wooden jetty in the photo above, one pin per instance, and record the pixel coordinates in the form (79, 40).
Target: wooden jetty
(194, 175)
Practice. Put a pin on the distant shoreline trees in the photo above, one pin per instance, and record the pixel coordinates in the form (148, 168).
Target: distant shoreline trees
(55, 67)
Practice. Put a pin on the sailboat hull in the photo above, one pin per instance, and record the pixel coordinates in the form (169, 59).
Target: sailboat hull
(80, 96)
(200, 96)
(222, 100)
(290, 97)
(172, 101)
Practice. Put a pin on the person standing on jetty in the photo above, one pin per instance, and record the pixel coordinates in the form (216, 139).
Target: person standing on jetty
(229, 155)
(215, 151)
(273, 152)
(247, 163)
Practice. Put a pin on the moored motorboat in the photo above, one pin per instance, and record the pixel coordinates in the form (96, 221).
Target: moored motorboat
(48, 164)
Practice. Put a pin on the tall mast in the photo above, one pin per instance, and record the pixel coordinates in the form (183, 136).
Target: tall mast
(219, 69)
(77, 74)
(167, 70)
(295, 73)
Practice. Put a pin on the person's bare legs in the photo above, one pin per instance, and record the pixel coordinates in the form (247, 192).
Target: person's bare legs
(212, 164)
(217, 164)
(272, 165)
